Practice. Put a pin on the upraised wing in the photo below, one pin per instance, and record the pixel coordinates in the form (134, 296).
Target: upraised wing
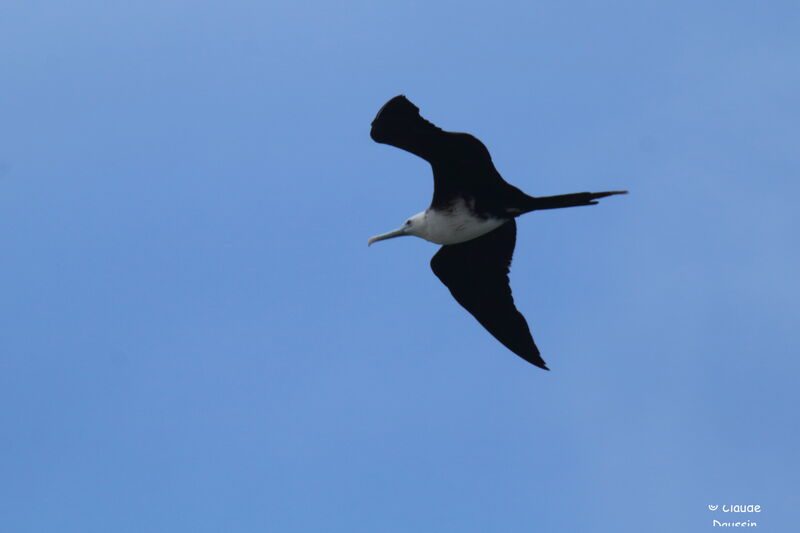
(398, 123)
(476, 272)
(461, 163)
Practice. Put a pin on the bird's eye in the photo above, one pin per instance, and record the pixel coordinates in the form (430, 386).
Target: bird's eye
(408, 222)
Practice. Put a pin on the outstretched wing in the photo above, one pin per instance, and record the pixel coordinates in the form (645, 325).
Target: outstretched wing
(398, 123)
(461, 163)
(476, 272)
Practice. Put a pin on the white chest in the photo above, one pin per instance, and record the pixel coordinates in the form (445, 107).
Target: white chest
(455, 225)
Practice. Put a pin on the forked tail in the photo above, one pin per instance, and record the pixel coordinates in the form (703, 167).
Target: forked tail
(568, 200)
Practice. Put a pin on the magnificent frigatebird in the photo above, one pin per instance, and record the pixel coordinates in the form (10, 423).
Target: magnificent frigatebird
(472, 214)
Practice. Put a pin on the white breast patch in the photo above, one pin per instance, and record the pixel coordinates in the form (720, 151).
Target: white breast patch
(457, 224)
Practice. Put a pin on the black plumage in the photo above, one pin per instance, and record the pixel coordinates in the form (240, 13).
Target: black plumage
(475, 271)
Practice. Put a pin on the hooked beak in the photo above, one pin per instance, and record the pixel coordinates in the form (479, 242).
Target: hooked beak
(399, 232)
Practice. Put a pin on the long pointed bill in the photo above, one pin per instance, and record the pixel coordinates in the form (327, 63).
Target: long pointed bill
(399, 232)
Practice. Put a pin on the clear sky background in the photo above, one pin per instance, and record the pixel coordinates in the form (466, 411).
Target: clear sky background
(195, 337)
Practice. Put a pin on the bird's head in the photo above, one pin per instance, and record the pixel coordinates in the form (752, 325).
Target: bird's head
(413, 226)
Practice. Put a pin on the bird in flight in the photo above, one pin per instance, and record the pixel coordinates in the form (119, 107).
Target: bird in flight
(472, 216)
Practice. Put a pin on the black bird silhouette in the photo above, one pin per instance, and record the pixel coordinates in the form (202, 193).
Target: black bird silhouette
(472, 215)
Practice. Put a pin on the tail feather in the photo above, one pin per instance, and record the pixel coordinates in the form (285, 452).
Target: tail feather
(568, 200)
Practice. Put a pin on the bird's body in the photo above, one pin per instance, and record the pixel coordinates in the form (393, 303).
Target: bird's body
(472, 215)
(453, 223)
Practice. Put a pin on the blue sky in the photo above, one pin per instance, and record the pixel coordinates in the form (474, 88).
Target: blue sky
(195, 337)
